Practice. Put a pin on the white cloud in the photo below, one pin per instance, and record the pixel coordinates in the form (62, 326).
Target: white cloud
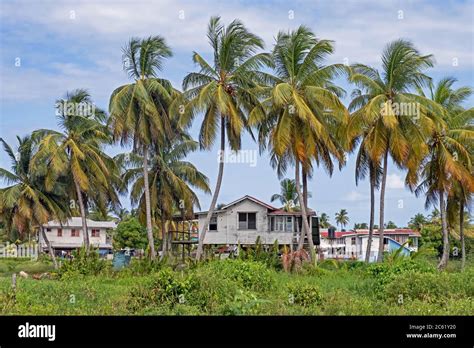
(355, 196)
(394, 181)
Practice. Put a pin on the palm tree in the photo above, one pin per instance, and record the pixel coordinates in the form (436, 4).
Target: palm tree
(287, 196)
(76, 152)
(302, 109)
(417, 222)
(172, 180)
(366, 166)
(26, 204)
(458, 200)
(449, 159)
(342, 218)
(139, 110)
(324, 220)
(224, 91)
(389, 130)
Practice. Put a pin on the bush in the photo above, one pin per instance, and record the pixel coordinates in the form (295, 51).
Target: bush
(305, 295)
(385, 272)
(249, 274)
(165, 288)
(429, 287)
(82, 264)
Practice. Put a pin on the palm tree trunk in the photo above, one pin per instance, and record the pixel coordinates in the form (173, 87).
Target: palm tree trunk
(216, 193)
(164, 247)
(306, 230)
(82, 209)
(382, 206)
(305, 186)
(372, 213)
(50, 248)
(444, 228)
(149, 228)
(461, 235)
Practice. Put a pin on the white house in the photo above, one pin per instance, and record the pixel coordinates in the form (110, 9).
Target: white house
(69, 235)
(353, 244)
(246, 219)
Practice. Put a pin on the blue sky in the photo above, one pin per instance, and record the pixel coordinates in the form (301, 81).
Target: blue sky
(64, 45)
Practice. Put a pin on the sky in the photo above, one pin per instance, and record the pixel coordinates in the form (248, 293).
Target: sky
(50, 47)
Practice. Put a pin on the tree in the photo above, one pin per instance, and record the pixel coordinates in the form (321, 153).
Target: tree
(324, 220)
(391, 128)
(416, 222)
(287, 196)
(171, 183)
(76, 152)
(361, 226)
(390, 224)
(139, 111)
(130, 234)
(449, 158)
(342, 219)
(224, 91)
(26, 204)
(303, 110)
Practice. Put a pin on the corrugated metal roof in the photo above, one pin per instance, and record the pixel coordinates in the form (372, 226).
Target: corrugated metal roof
(77, 222)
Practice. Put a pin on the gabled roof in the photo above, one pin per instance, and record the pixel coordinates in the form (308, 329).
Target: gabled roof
(272, 210)
(253, 199)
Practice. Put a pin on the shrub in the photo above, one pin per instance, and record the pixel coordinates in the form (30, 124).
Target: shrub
(166, 287)
(142, 267)
(249, 274)
(243, 303)
(82, 264)
(429, 287)
(385, 272)
(305, 295)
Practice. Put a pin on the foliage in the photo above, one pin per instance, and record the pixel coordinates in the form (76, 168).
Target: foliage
(82, 264)
(130, 233)
(305, 295)
(249, 274)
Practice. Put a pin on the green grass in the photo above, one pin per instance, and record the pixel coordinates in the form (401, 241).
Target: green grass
(236, 287)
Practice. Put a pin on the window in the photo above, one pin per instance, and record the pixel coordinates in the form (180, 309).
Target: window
(247, 221)
(289, 224)
(48, 230)
(74, 233)
(213, 224)
(60, 232)
(95, 233)
(353, 241)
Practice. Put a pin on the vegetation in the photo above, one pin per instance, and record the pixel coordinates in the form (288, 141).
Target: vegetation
(242, 287)
(287, 97)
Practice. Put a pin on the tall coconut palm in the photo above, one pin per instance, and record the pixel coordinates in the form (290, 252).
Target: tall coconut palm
(26, 204)
(459, 206)
(139, 111)
(342, 218)
(365, 166)
(302, 109)
(449, 158)
(391, 130)
(224, 90)
(172, 180)
(287, 196)
(76, 152)
(324, 220)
